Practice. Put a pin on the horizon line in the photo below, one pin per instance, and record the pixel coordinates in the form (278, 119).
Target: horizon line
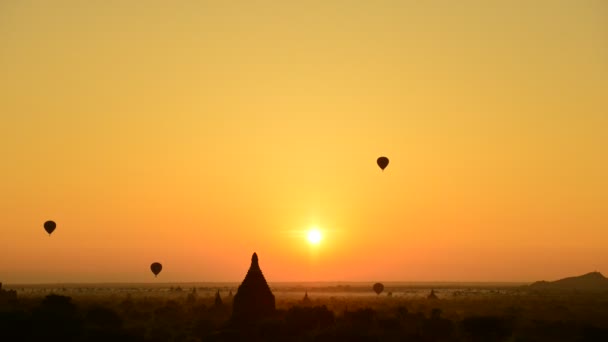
(417, 282)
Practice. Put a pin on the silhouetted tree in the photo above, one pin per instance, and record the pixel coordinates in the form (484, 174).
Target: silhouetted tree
(301, 319)
(56, 319)
(487, 328)
(103, 319)
(103, 324)
(436, 313)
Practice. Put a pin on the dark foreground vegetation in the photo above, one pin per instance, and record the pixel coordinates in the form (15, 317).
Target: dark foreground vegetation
(187, 317)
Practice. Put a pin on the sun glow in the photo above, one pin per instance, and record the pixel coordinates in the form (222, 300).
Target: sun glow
(314, 236)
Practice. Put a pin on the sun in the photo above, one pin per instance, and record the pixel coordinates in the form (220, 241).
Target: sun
(314, 236)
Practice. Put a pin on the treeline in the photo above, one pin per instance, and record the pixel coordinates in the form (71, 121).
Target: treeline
(59, 318)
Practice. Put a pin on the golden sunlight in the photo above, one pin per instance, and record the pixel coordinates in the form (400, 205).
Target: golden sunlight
(314, 236)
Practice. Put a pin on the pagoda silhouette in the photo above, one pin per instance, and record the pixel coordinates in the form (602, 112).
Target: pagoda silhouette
(306, 301)
(218, 300)
(253, 299)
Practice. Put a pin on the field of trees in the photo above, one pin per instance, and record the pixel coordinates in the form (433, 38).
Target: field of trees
(188, 312)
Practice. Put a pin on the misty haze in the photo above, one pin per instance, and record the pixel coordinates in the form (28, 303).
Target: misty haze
(303, 171)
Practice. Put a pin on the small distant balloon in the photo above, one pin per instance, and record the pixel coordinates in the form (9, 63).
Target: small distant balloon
(382, 162)
(49, 226)
(156, 267)
(378, 288)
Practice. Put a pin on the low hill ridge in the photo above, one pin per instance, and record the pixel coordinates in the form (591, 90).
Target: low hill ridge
(593, 281)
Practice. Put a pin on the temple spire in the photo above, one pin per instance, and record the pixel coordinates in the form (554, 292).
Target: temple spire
(253, 299)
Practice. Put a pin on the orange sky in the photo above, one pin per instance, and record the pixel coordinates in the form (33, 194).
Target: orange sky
(197, 132)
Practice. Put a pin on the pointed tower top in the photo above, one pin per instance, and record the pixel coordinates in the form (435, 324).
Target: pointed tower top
(253, 297)
(255, 266)
(306, 300)
(218, 299)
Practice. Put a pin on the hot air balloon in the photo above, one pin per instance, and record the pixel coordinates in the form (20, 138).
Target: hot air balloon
(378, 288)
(49, 226)
(156, 267)
(382, 162)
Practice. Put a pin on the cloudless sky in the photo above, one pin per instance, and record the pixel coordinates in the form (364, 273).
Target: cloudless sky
(195, 133)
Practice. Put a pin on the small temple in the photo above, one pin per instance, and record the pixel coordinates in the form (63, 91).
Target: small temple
(306, 300)
(253, 299)
(432, 295)
(218, 299)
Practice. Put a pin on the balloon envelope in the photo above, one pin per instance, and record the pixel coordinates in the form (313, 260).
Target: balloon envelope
(382, 162)
(156, 267)
(378, 288)
(49, 226)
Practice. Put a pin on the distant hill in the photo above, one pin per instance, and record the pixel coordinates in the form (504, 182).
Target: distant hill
(593, 281)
